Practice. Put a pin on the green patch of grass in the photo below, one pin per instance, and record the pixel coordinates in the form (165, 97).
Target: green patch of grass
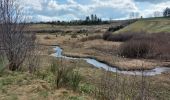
(2, 66)
(12, 97)
(15, 78)
(154, 25)
(75, 80)
(86, 88)
(76, 98)
(44, 94)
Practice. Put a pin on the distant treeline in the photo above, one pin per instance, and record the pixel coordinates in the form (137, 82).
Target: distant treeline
(90, 20)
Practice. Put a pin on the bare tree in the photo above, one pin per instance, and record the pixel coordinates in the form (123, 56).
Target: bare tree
(16, 44)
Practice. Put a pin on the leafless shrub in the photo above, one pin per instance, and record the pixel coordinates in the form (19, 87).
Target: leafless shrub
(15, 42)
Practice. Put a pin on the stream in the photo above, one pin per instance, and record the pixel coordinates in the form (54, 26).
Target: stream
(98, 64)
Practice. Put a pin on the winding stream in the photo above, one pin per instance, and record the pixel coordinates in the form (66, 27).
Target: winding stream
(98, 64)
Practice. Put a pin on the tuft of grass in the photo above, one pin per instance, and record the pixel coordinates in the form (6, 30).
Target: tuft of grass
(76, 98)
(74, 36)
(75, 80)
(87, 88)
(44, 94)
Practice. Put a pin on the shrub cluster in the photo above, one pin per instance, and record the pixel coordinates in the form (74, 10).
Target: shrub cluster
(118, 37)
(135, 49)
(115, 28)
(155, 45)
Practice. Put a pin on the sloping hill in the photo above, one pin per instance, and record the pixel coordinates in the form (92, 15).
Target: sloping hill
(151, 25)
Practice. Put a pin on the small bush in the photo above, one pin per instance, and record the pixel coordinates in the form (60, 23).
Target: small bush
(107, 35)
(87, 88)
(75, 80)
(87, 34)
(68, 31)
(44, 93)
(61, 75)
(74, 36)
(94, 37)
(65, 76)
(82, 31)
(47, 37)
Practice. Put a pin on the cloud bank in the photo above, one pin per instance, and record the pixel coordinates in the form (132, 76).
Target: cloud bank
(51, 10)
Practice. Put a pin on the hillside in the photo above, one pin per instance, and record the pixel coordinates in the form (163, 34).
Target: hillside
(151, 25)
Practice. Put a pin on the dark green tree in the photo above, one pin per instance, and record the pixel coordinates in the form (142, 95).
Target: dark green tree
(166, 12)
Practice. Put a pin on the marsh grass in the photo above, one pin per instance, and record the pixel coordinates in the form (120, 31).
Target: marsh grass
(65, 75)
(75, 80)
(116, 87)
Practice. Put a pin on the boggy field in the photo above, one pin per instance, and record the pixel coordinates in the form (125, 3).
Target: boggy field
(94, 46)
(91, 59)
(69, 79)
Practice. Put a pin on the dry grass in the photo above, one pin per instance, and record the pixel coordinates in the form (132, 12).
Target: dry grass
(40, 89)
(73, 28)
(30, 88)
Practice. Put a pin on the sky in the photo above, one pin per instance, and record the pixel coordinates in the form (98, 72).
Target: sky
(67, 10)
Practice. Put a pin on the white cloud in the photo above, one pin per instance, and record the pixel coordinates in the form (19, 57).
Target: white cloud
(34, 4)
(54, 10)
(154, 8)
(49, 18)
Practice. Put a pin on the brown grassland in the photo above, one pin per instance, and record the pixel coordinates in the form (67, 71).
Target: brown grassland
(39, 86)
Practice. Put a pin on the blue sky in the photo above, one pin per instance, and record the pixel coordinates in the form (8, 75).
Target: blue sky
(52, 10)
